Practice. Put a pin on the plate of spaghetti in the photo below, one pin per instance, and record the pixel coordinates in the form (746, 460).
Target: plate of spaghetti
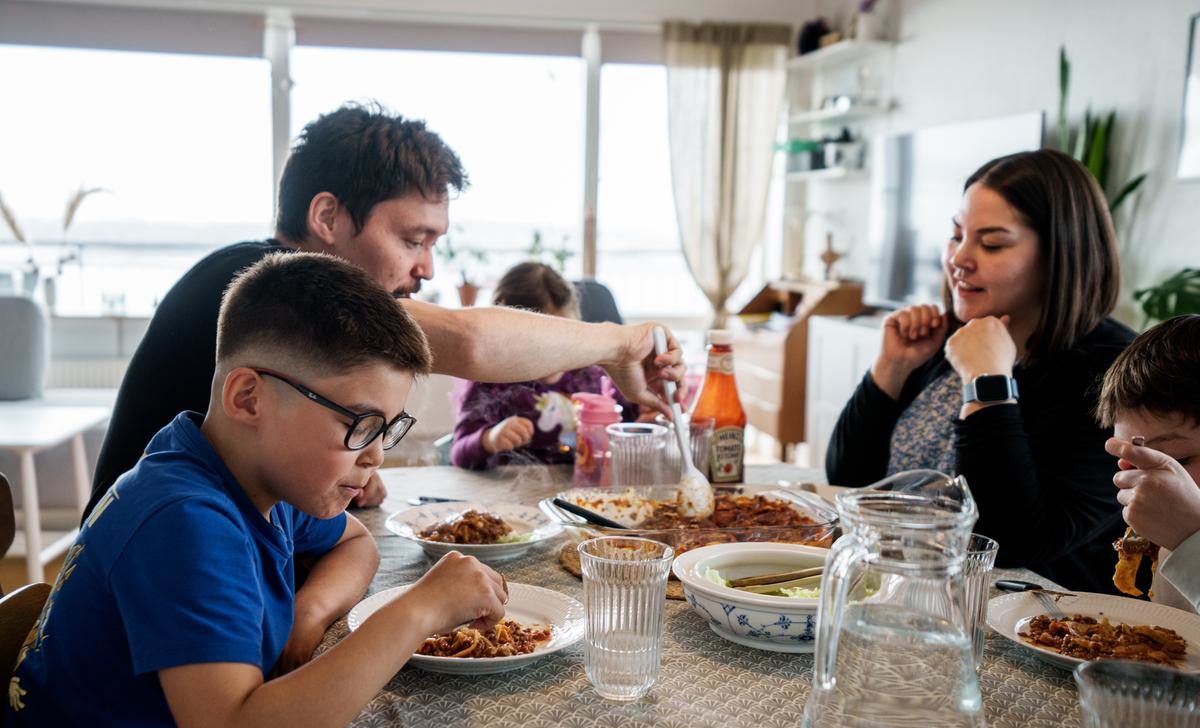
(1098, 627)
(537, 622)
(488, 531)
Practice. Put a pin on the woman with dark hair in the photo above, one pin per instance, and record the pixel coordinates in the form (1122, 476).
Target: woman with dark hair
(526, 422)
(1002, 386)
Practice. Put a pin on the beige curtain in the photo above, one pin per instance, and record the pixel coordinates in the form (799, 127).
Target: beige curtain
(725, 87)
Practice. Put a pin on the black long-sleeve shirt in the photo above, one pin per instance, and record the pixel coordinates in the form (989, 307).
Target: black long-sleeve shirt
(1037, 469)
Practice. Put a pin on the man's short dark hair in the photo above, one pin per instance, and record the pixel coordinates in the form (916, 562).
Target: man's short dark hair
(363, 155)
(1159, 373)
(320, 312)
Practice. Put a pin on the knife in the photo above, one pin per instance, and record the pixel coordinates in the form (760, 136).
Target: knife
(1016, 585)
(418, 500)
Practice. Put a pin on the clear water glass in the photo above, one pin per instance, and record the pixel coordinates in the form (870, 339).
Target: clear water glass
(977, 571)
(638, 453)
(700, 434)
(624, 593)
(1120, 693)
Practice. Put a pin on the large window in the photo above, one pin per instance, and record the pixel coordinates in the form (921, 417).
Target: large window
(181, 144)
(638, 252)
(516, 121)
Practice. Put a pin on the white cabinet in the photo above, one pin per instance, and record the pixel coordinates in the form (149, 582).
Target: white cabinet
(840, 351)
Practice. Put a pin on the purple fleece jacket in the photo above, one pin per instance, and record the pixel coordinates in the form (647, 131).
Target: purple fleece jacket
(548, 407)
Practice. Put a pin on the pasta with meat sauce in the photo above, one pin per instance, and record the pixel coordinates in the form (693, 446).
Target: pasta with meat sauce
(1088, 638)
(506, 639)
(470, 527)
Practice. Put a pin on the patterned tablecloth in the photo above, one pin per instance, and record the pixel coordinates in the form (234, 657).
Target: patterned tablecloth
(704, 680)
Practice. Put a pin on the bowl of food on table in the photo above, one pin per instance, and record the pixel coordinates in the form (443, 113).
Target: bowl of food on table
(742, 513)
(1067, 630)
(488, 531)
(757, 594)
(537, 622)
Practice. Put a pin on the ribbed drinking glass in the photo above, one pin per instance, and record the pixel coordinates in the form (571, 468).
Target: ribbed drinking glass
(624, 590)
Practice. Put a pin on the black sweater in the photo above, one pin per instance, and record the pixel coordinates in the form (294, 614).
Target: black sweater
(1038, 469)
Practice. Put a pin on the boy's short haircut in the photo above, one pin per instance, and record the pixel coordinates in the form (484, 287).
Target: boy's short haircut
(363, 155)
(1159, 373)
(320, 312)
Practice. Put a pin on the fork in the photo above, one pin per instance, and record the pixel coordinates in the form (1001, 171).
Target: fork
(1050, 604)
(1048, 597)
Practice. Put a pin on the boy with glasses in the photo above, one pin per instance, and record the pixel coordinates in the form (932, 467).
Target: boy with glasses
(1151, 399)
(176, 604)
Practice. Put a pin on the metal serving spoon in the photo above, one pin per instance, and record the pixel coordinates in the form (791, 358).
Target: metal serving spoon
(695, 495)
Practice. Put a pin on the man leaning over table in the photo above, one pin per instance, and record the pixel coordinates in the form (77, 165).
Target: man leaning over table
(372, 188)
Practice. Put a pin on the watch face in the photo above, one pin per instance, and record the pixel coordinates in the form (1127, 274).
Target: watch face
(992, 388)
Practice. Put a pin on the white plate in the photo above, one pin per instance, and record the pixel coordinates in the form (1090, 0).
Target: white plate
(523, 519)
(1009, 614)
(527, 605)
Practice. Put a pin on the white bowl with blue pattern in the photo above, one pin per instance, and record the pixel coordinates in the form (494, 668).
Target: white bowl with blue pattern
(779, 624)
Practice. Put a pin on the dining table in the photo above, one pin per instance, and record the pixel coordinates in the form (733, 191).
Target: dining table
(704, 680)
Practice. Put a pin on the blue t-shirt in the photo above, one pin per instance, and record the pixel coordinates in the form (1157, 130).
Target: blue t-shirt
(175, 566)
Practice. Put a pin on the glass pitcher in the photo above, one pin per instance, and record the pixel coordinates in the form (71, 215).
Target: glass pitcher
(892, 648)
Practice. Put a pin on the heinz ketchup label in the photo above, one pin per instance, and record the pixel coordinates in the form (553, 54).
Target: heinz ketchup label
(727, 454)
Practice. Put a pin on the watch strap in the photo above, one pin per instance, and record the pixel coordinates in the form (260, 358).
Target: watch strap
(970, 393)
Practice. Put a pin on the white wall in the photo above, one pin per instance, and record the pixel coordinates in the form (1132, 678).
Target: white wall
(969, 59)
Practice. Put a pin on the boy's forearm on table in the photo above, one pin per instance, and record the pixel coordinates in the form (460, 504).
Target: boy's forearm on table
(333, 688)
(338, 580)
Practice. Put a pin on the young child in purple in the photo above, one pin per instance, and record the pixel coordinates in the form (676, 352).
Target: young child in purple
(529, 422)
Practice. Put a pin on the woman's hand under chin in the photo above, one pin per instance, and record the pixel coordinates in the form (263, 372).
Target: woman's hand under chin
(982, 346)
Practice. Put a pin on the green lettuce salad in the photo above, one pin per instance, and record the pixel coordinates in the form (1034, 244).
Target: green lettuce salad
(790, 592)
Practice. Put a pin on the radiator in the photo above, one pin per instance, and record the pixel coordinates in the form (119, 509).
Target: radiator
(86, 373)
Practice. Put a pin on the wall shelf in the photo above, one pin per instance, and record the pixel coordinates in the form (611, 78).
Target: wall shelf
(817, 116)
(846, 51)
(830, 173)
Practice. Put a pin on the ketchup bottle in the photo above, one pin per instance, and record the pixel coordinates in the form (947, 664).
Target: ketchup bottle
(718, 399)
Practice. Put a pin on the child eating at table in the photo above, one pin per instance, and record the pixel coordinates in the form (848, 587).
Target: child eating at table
(525, 422)
(177, 605)
(1151, 398)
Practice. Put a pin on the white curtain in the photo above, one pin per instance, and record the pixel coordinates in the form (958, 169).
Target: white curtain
(725, 88)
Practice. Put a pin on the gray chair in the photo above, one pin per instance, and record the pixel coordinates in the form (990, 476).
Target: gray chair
(25, 354)
(596, 302)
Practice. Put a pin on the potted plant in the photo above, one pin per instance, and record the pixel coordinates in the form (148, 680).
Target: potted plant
(30, 272)
(1175, 296)
(537, 250)
(468, 289)
(1090, 144)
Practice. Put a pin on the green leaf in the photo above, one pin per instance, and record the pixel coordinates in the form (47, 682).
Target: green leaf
(1179, 294)
(1064, 85)
(1083, 137)
(1097, 154)
(1129, 188)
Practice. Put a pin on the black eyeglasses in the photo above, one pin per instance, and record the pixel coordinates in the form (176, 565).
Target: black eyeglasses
(364, 428)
